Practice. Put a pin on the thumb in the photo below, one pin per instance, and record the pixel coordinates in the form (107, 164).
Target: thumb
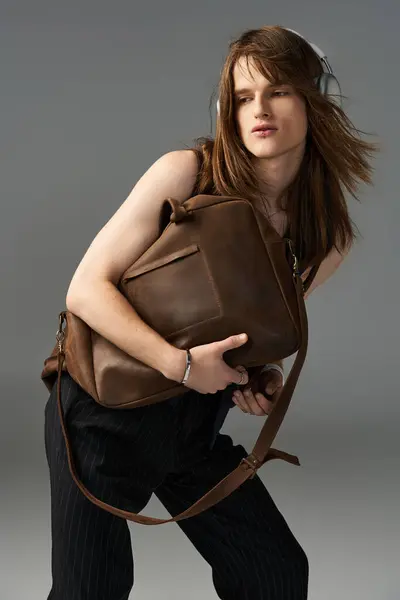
(233, 341)
(271, 387)
(272, 381)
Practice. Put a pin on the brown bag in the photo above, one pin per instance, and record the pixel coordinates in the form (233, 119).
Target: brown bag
(217, 268)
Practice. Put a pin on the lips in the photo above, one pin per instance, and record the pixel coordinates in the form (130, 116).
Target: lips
(263, 128)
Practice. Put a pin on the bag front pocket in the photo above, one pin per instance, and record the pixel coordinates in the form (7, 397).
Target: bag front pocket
(173, 292)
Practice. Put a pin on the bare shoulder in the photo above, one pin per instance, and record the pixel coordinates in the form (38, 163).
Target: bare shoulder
(326, 269)
(135, 225)
(178, 169)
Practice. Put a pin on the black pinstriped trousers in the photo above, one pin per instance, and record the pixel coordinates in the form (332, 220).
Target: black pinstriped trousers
(123, 456)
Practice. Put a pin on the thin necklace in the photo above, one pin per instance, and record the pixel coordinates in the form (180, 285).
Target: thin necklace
(265, 203)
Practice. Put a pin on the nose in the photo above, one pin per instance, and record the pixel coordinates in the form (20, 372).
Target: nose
(261, 108)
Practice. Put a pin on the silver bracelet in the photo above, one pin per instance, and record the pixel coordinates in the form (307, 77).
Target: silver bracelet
(269, 366)
(188, 366)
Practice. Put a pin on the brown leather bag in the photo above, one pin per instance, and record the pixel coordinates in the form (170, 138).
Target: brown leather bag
(217, 268)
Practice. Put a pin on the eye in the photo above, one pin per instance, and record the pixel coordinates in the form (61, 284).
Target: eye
(275, 93)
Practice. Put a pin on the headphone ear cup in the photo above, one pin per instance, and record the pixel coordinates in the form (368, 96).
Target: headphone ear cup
(329, 86)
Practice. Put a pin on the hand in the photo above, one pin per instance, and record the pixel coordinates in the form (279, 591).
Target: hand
(258, 396)
(209, 372)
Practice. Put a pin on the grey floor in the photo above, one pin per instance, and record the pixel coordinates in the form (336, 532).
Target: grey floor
(342, 504)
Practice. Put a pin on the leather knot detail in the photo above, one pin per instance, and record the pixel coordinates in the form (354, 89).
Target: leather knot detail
(179, 212)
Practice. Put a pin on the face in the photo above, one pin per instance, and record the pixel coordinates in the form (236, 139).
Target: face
(256, 102)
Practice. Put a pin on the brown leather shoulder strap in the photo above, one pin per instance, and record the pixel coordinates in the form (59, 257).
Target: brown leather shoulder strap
(247, 467)
(311, 276)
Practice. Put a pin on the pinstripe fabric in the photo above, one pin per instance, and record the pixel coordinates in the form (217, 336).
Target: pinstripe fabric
(123, 456)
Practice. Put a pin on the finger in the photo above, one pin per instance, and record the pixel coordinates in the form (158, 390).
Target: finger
(241, 379)
(267, 405)
(255, 407)
(270, 389)
(273, 385)
(271, 382)
(236, 401)
(239, 400)
(233, 341)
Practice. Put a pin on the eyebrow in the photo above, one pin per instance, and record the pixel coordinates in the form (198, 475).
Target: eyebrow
(245, 90)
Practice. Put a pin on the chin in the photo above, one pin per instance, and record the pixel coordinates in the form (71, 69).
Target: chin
(269, 150)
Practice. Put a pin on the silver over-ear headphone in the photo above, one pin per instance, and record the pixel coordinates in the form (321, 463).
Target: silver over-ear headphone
(327, 83)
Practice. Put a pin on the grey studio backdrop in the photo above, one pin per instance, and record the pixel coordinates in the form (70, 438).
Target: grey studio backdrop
(92, 94)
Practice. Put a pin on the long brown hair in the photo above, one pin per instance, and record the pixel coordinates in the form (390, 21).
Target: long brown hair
(335, 156)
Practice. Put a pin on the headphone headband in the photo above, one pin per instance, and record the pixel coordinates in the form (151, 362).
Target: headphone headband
(321, 54)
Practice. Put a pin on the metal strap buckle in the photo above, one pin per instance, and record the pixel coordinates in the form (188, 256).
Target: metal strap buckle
(60, 335)
(253, 463)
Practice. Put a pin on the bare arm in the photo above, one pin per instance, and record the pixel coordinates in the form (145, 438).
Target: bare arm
(93, 294)
(326, 269)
